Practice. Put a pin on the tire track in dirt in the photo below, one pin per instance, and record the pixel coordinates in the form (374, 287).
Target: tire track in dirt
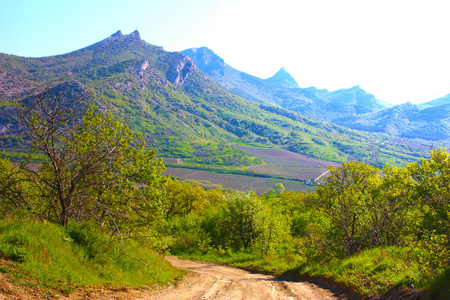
(213, 281)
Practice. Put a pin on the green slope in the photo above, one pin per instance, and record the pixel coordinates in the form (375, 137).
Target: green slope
(181, 111)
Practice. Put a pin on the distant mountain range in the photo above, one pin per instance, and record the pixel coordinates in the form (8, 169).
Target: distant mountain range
(186, 114)
(353, 107)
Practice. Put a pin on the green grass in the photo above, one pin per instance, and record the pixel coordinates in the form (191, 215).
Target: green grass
(78, 256)
(371, 273)
(374, 271)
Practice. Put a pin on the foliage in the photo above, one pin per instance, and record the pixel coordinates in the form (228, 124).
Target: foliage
(95, 167)
(183, 198)
(375, 231)
(433, 188)
(365, 208)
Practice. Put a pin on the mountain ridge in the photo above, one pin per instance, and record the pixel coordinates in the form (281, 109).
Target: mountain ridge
(183, 112)
(284, 91)
(353, 107)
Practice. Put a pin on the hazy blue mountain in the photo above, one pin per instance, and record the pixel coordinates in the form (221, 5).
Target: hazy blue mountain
(352, 107)
(440, 101)
(406, 120)
(282, 89)
(284, 78)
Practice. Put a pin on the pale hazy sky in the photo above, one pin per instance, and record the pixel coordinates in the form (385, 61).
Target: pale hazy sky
(397, 50)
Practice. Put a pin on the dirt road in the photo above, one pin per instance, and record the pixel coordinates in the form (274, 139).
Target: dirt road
(212, 281)
(206, 281)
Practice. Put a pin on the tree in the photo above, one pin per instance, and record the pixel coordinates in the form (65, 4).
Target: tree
(183, 198)
(433, 189)
(278, 188)
(16, 194)
(239, 212)
(94, 168)
(432, 177)
(367, 207)
(343, 199)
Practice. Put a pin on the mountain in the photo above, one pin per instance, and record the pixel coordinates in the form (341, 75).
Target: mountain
(406, 120)
(284, 78)
(183, 112)
(437, 102)
(284, 91)
(353, 108)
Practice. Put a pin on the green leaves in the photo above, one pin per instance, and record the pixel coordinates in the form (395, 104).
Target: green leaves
(366, 208)
(96, 168)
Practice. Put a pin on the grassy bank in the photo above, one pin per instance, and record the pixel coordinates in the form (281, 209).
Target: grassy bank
(373, 274)
(60, 260)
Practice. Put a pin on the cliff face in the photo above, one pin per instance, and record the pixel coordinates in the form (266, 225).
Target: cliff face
(179, 72)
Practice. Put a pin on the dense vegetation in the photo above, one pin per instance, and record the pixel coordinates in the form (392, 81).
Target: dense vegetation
(89, 185)
(374, 230)
(377, 231)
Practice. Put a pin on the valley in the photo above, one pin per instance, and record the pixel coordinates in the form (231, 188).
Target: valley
(184, 113)
(268, 182)
(295, 171)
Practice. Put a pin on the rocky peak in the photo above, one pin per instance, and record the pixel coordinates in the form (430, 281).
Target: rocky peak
(205, 59)
(120, 35)
(283, 77)
(135, 34)
(117, 34)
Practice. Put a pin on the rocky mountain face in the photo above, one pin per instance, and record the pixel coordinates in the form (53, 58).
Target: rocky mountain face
(353, 107)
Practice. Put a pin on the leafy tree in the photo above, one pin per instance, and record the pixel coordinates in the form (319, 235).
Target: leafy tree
(183, 198)
(95, 167)
(272, 227)
(367, 209)
(392, 209)
(238, 219)
(433, 188)
(244, 221)
(279, 188)
(343, 199)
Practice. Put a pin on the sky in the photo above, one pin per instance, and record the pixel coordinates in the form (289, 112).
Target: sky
(398, 50)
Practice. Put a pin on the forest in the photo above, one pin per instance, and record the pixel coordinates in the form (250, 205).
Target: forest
(98, 189)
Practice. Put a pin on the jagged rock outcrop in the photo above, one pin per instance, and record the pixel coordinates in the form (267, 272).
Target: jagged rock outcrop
(144, 66)
(118, 34)
(135, 34)
(178, 74)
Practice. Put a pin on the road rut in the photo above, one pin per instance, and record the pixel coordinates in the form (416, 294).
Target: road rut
(213, 281)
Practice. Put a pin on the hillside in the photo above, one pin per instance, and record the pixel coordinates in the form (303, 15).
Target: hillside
(426, 121)
(181, 111)
(353, 108)
(282, 89)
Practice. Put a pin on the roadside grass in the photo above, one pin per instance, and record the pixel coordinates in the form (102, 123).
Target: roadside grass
(49, 256)
(371, 273)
